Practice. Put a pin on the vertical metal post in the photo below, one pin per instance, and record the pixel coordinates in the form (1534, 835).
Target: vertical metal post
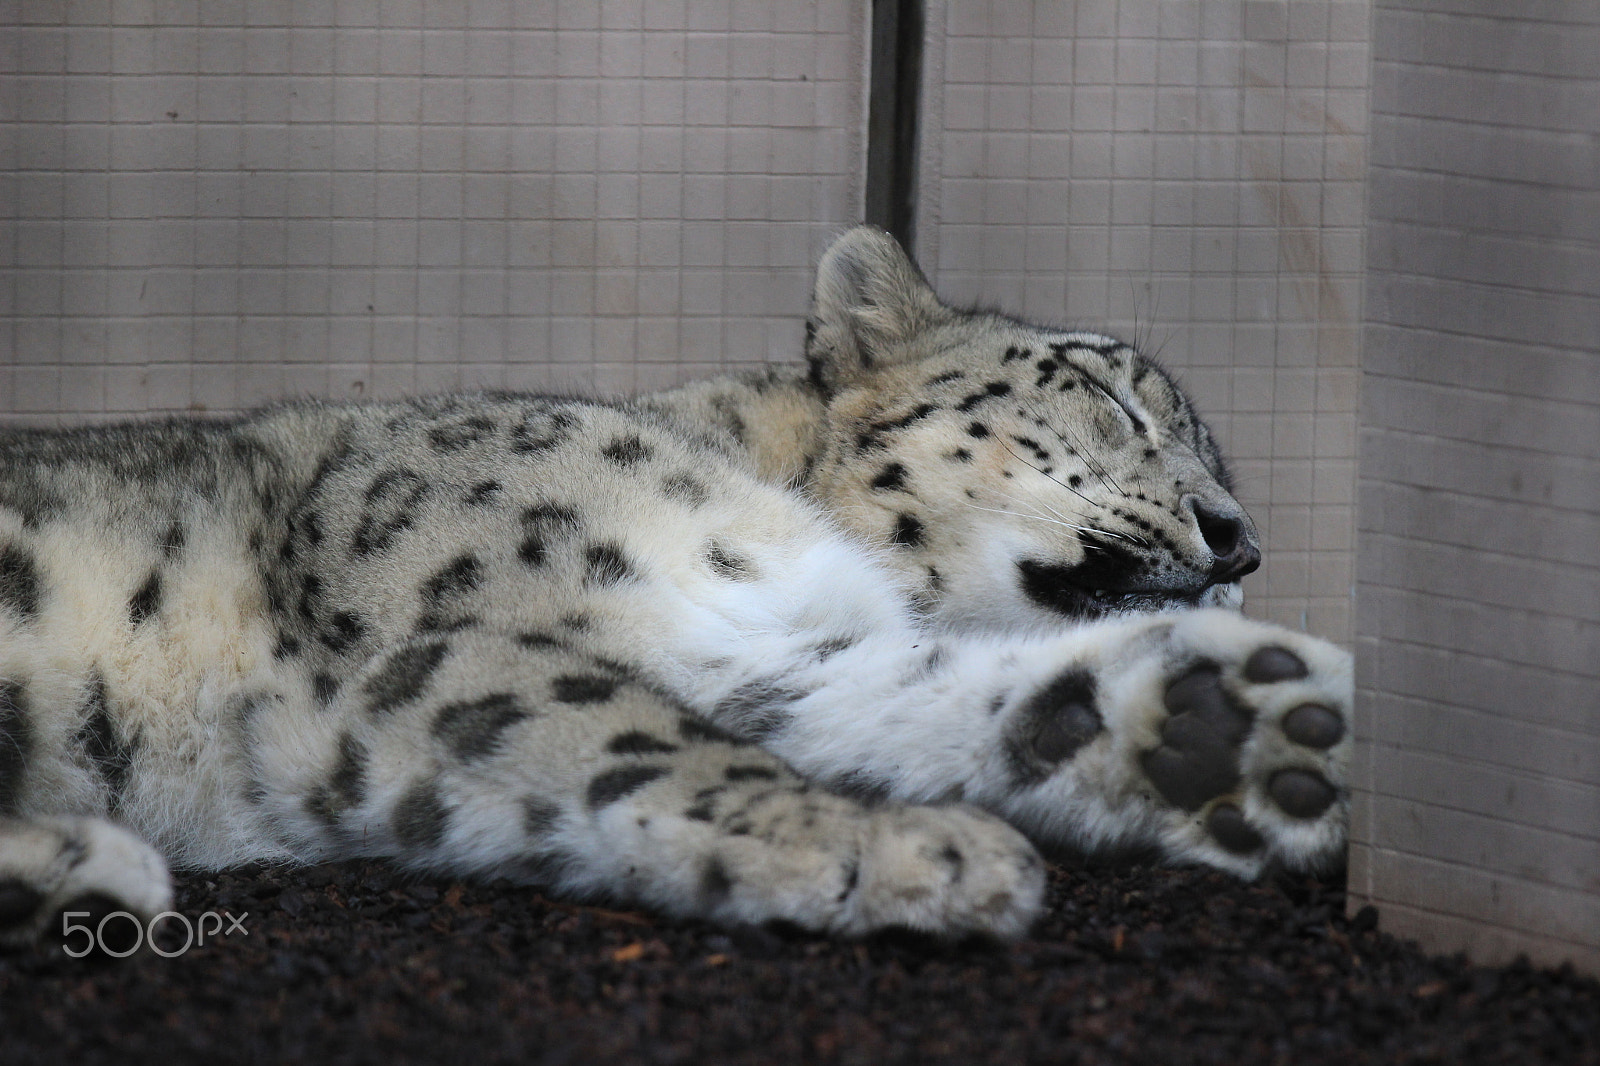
(893, 97)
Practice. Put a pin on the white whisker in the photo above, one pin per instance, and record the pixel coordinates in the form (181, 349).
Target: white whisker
(1034, 517)
(1054, 516)
(1057, 522)
(1130, 538)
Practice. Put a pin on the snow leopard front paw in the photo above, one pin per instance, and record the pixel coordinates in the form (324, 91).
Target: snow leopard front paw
(86, 867)
(1204, 735)
(1243, 743)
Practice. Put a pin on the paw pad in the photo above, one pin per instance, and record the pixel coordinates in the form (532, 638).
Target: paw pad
(1313, 726)
(1053, 725)
(1227, 826)
(1301, 793)
(1199, 755)
(1273, 663)
(1061, 736)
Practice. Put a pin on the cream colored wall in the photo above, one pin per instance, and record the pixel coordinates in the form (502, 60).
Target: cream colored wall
(1479, 621)
(212, 203)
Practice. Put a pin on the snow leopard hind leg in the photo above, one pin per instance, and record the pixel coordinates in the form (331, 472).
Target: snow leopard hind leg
(516, 755)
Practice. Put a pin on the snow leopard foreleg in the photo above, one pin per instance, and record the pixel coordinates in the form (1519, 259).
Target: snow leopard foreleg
(514, 755)
(1201, 734)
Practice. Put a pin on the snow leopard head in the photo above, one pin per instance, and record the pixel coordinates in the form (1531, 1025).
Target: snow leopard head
(1016, 472)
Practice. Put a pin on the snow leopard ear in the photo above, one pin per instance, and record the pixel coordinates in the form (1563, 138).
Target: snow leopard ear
(870, 306)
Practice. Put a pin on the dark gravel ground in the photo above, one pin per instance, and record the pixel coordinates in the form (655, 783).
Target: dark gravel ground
(354, 963)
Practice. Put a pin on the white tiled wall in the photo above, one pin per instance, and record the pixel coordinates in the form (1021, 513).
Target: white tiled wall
(1189, 173)
(209, 203)
(1479, 594)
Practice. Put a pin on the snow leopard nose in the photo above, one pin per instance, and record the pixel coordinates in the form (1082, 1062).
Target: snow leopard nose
(1230, 536)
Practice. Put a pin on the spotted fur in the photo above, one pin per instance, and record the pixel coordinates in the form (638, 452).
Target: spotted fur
(826, 645)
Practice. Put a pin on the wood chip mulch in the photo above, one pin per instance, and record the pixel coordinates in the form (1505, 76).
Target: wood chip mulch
(356, 963)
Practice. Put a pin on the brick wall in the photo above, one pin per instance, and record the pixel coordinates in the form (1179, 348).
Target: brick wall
(1479, 542)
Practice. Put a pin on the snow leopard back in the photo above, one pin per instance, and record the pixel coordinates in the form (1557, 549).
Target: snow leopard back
(158, 573)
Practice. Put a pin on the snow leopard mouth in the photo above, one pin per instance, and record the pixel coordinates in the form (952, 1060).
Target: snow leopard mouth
(1069, 592)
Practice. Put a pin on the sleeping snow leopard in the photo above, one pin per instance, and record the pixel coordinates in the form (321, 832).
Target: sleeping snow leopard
(826, 646)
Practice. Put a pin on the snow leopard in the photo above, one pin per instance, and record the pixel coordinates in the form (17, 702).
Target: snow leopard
(841, 645)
